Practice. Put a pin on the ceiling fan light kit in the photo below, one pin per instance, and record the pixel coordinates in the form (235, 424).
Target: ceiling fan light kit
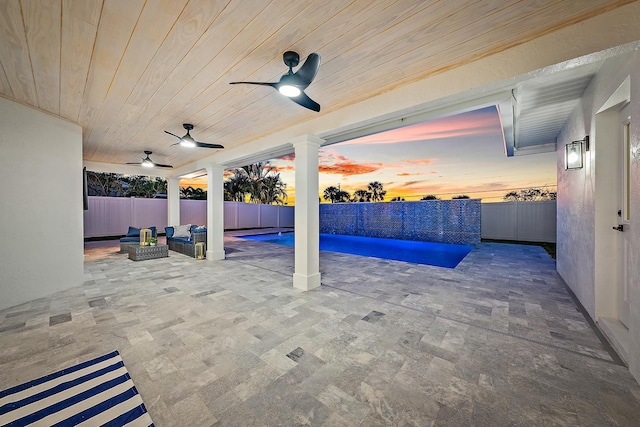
(292, 85)
(289, 90)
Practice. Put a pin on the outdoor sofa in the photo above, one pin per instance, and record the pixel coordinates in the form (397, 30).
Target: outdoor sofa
(183, 238)
(133, 238)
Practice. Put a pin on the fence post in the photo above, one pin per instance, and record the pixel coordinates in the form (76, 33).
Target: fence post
(516, 211)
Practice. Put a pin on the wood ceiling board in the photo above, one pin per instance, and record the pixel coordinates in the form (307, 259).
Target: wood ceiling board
(139, 77)
(496, 38)
(114, 33)
(226, 64)
(176, 92)
(361, 44)
(264, 63)
(221, 65)
(455, 51)
(43, 31)
(430, 49)
(154, 24)
(14, 53)
(339, 22)
(382, 53)
(193, 22)
(5, 87)
(79, 29)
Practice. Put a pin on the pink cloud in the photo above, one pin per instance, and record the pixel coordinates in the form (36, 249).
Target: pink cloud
(334, 163)
(287, 157)
(419, 161)
(409, 174)
(480, 122)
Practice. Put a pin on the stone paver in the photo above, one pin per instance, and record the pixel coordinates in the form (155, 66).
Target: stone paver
(496, 341)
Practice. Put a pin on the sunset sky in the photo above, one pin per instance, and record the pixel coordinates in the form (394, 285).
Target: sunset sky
(462, 154)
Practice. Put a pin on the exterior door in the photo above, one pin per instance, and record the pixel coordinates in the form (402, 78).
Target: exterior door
(624, 220)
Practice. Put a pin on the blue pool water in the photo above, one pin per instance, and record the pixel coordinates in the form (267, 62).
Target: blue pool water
(438, 254)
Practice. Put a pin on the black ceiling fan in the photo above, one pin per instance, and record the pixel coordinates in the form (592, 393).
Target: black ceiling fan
(188, 141)
(292, 85)
(148, 163)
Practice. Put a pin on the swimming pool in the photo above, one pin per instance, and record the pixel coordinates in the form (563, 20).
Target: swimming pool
(431, 253)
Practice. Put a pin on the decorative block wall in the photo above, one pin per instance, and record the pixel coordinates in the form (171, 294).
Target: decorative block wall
(443, 221)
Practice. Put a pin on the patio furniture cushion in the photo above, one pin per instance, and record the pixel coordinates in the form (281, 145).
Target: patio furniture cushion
(135, 232)
(130, 239)
(182, 231)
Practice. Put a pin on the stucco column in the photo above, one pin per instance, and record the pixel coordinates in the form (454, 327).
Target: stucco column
(215, 213)
(307, 214)
(173, 201)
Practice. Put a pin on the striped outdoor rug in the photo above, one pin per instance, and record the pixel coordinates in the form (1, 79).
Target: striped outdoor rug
(94, 393)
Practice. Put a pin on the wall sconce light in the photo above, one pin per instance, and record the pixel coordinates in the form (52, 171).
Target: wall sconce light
(573, 153)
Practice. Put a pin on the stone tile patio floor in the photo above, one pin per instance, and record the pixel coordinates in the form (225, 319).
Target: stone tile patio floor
(496, 341)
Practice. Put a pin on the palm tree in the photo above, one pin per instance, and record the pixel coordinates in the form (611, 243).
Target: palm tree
(330, 193)
(430, 197)
(376, 191)
(236, 187)
(258, 181)
(273, 190)
(193, 193)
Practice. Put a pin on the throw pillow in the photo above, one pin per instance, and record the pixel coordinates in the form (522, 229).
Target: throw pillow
(133, 232)
(182, 231)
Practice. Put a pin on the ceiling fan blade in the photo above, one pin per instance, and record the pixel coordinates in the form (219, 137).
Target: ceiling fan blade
(134, 163)
(205, 145)
(307, 72)
(273, 85)
(158, 165)
(306, 102)
(173, 134)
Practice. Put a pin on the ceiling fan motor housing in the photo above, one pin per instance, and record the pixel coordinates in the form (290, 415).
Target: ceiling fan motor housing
(291, 58)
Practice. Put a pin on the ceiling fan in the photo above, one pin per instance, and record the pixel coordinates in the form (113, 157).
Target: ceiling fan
(188, 141)
(148, 163)
(292, 85)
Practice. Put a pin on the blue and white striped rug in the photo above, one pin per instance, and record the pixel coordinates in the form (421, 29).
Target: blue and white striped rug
(99, 392)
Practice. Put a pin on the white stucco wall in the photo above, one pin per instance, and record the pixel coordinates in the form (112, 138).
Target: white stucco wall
(41, 250)
(587, 201)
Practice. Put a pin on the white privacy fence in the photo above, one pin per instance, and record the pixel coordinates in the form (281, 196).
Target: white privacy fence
(112, 216)
(520, 221)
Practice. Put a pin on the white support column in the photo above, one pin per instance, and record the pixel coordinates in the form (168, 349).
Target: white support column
(215, 213)
(173, 201)
(307, 214)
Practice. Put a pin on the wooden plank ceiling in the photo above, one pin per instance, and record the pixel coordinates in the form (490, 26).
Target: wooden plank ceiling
(125, 70)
